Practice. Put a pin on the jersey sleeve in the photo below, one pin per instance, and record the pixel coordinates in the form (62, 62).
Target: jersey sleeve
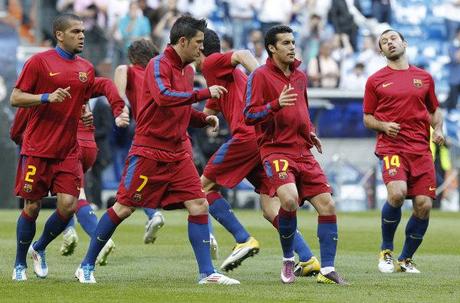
(257, 110)
(162, 91)
(370, 98)
(431, 100)
(198, 119)
(213, 104)
(219, 65)
(29, 75)
(105, 87)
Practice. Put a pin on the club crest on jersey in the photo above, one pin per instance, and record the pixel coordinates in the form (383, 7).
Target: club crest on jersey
(392, 172)
(83, 76)
(418, 83)
(282, 175)
(137, 197)
(27, 188)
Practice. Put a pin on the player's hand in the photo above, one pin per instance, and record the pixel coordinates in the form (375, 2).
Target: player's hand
(123, 119)
(213, 121)
(287, 97)
(316, 142)
(217, 91)
(391, 128)
(86, 116)
(59, 95)
(437, 137)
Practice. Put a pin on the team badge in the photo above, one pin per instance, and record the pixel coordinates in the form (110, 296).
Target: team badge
(27, 188)
(282, 175)
(137, 197)
(417, 83)
(83, 76)
(392, 172)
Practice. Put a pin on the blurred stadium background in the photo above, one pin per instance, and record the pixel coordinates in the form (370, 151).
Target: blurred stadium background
(341, 34)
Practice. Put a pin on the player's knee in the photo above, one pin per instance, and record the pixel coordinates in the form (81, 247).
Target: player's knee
(122, 211)
(396, 197)
(423, 208)
(326, 206)
(290, 203)
(197, 207)
(32, 208)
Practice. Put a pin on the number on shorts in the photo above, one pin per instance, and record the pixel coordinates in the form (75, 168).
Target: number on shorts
(144, 182)
(31, 170)
(391, 161)
(285, 164)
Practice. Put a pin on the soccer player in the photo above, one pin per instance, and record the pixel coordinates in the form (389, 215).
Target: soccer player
(128, 79)
(400, 104)
(239, 157)
(54, 84)
(277, 104)
(88, 153)
(159, 171)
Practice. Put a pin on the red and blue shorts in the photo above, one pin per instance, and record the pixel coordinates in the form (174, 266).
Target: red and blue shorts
(151, 183)
(416, 170)
(36, 176)
(235, 160)
(304, 171)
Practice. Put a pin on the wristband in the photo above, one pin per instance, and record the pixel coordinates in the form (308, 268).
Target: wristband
(44, 98)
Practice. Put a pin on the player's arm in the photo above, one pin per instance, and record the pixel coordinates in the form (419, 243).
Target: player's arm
(436, 122)
(19, 125)
(165, 95)
(245, 58)
(257, 110)
(200, 119)
(121, 79)
(209, 111)
(22, 99)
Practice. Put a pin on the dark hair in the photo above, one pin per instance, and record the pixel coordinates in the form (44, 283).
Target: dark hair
(270, 36)
(141, 51)
(211, 43)
(186, 26)
(390, 30)
(62, 22)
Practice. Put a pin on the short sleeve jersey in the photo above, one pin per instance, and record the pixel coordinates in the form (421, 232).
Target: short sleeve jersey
(406, 97)
(51, 131)
(218, 70)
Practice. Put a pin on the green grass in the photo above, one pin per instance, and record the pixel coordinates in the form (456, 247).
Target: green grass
(166, 271)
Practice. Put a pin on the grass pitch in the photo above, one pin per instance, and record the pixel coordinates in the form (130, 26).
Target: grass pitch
(166, 271)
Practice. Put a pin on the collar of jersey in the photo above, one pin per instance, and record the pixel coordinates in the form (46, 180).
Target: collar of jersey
(271, 64)
(171, 53)
(64, 54)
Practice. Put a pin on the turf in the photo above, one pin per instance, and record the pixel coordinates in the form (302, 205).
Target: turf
(166, 270)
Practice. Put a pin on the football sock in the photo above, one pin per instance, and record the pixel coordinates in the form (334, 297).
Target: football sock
(222, 212)
(55, 224)
(301, 247)
(287, 230)
(390, 220)
(86, 217)
(149, 212)
(104, 230)
(328, 236)
(211, 228)
(415, 230)
(25, 232)
(71, 223)
(198, 234)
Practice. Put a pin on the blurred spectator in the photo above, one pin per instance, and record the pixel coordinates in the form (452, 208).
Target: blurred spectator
(454, 72)
(356, 80)
(312, 33)
(381, 10)
(370, 54)
(342, 21)
(273, 12)
(451, 13)
(256, 46)
(147, 11)
(197, 8)
(226, 43)
(133, 26)
(323, 70)
(47, 13)
(162, 28)
(242, 16)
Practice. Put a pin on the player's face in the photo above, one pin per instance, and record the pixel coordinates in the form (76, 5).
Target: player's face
(193, 47)
(199, 62)
(393, 47)
(73, 38)
(284, 50)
